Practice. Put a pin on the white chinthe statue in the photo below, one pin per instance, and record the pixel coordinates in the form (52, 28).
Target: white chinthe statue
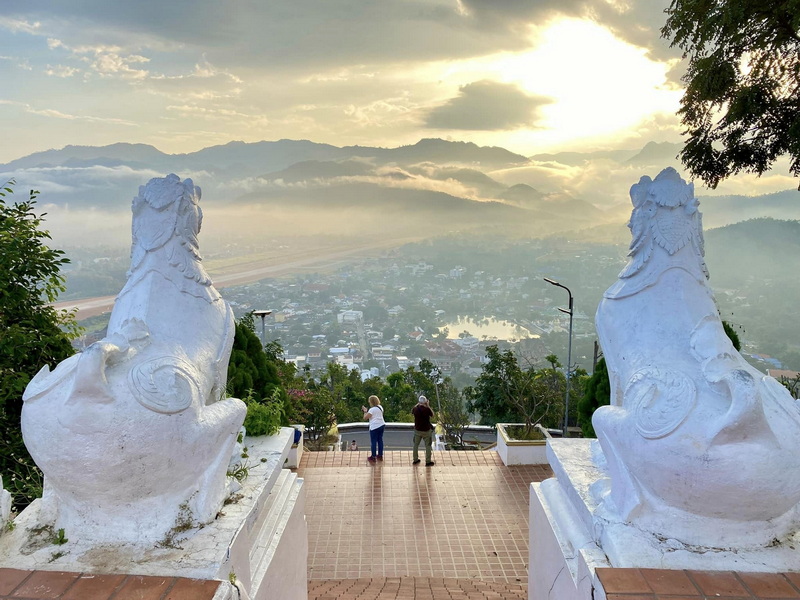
(133, 434)
(701, 447)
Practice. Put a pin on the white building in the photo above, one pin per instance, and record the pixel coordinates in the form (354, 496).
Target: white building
(382, 353)
(468, 344)
(350, 316)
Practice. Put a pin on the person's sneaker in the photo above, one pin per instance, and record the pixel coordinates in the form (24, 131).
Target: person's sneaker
(371, 459)
(380, 458)
(429, 464)
(415, 462)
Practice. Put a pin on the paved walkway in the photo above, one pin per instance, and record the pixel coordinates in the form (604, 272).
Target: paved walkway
(456, 530)
(394, 531)
(459, 531)
(61, 585)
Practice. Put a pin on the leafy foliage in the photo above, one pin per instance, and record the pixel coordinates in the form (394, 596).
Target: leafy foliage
(791, 384)
(250, 368)
(741, 107)
(264, 417)
(254, 376)
(453, 416)
(732, 335)
(402, 389)
(597, 393)
(316, 411)
(32, 333)
(346, 390)
(505, 392)
(21, 477)
(398, 396)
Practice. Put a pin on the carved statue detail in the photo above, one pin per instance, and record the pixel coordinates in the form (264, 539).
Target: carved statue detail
(700, 445)
(134, 431)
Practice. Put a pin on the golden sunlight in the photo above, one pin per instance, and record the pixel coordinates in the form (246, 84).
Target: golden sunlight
(600, 85)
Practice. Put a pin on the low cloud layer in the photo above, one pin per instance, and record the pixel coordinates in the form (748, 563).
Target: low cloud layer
(402, 191)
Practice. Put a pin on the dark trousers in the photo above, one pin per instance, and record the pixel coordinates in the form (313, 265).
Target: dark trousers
(422, 436)
(376, 440)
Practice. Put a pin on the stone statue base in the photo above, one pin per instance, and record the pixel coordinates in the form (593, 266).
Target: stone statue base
(571, 537)
(260, 539)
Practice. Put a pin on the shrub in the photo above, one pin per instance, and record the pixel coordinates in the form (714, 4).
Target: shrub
(264, 417)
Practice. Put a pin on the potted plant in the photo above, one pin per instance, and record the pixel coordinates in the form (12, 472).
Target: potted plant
(519, 445)
(505, 391)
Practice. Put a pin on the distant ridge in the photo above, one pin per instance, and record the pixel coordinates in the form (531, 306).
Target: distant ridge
(121, 151)
(433, 184)
(252, 158)
(725, 210)
(657, 153)
(768, 247)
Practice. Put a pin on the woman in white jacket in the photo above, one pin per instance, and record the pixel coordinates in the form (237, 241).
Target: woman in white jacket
(376, 426)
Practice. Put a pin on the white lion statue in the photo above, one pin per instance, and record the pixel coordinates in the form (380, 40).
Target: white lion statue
(133, 434)
(701, 446)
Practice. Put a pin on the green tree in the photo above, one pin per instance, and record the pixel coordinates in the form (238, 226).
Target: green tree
(346, 390)
(32, 333)
(505, 392)
(316, 410)
(597, 393)
(424, 378)
(398, 398)
(255, 377)
(453, 416)
(250, 368)
(557, 386)
(402, 389)
(791, 384)
(741, 107)
(732, 335)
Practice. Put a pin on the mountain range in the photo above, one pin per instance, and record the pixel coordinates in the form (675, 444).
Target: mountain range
(431, 186)
(240, 159)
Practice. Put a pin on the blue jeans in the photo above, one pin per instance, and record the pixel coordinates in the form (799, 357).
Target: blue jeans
(376, 439)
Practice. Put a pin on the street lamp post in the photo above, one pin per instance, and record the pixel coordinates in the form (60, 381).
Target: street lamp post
(569, 350)
(436, 382)
(263, 314)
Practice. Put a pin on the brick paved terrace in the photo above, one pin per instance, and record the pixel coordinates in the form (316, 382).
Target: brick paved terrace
(395, 531)
(391, 529)
(459, 531)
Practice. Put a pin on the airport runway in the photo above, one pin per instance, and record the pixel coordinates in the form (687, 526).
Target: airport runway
(325, 260)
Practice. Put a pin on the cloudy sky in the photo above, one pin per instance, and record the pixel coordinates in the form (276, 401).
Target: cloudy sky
(530, 75)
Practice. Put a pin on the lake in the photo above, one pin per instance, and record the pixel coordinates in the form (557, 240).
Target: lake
(492, 328)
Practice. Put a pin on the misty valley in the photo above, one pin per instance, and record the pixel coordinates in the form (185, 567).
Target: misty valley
(410, 294)
(416, 237)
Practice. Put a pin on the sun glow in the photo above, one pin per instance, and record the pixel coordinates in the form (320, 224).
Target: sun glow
(600, 85)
